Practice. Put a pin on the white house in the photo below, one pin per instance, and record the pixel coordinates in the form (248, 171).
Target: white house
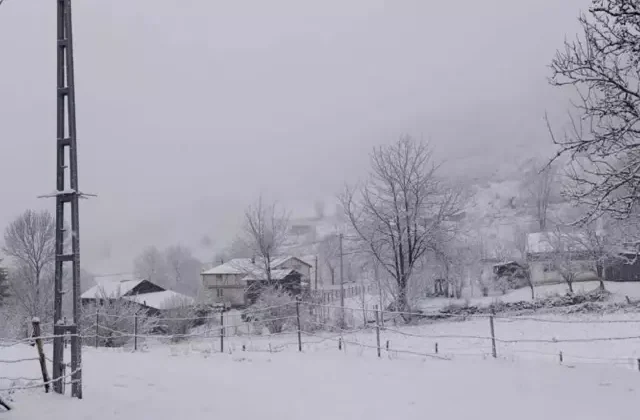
(544, 248)
(227, 283)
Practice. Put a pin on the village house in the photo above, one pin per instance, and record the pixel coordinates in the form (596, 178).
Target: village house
(235, 283)
(155, 299)
(546, 249)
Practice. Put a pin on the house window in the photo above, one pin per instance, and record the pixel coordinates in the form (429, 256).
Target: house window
(219, 277)
(220, 293)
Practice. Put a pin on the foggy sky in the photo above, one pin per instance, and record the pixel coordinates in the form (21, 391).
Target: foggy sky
(188, 109)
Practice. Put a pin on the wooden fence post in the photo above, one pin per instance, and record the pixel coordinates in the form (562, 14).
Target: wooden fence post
(436, 348)
(97, 324)
(135, 332)
(377, 329)
(298, 318)
(494, 351)
(222, 331)
(37, 334)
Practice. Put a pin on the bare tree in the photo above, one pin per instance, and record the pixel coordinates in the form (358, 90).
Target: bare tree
(569, 258)
(604, 143)
(30, 243)
(318, 208)
(151, 265)
(183, 268)
(398, 213)
(539, 185)
(265, 232)
(114, 320)
(329, 250)
(520, 242)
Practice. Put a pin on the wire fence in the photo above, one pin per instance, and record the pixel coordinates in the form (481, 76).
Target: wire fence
(305, 326)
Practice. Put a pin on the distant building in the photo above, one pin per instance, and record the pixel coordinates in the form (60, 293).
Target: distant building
(155, 299)
(544, 248)
(235, 283)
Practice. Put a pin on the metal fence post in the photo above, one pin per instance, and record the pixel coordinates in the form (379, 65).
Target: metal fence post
(377, 328)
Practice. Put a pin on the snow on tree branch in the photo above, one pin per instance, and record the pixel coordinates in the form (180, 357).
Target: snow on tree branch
(604, 142)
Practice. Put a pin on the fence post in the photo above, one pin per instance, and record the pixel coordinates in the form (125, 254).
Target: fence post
(377, 329)
(436, 348)
(340, 343)
(298, 319)
(494, 352)
(37, 334)
(639, 364)
(561, 358)
(97, 324)
(135, 332)
(222, 331)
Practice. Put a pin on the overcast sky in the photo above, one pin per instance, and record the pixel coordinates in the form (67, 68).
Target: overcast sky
(188, 109)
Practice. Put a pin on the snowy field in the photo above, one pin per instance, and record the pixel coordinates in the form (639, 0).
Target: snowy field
(162, 385)
(597, 379)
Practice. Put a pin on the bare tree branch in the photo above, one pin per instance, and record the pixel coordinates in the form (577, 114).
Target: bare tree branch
(603, 67)
(265, 232)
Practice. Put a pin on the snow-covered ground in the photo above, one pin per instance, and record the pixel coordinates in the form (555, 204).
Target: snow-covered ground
(598, 378)
(331, 385)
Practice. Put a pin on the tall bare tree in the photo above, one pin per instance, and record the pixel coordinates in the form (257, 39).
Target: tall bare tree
(151, 265)
(183, 268)
(520, 242)
(601, 65)
(401, 209)
(539, 184)
(329, 250)
(30, 243)
(265, 232)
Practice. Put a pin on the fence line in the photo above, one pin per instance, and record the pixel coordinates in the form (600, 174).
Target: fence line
(283, 328)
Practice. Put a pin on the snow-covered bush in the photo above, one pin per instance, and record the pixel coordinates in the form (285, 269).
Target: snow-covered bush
(179, 321)
(115, 321)
(275, 310)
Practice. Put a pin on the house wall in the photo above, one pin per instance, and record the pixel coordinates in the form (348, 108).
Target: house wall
(225, 288)
(301, 268)
(542, 274)
(231, 296)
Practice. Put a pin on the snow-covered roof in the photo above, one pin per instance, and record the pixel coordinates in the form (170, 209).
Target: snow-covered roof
(234, 266)
(277, 262)
(275, 275)
(110, 289)
(244, 265)
(164, 300)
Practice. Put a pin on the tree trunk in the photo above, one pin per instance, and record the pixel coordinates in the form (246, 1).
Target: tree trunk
(570, 283)
(533, 293)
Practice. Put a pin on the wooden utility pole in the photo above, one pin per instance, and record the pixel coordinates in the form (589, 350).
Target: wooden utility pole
(342, 315)
(316, 273)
